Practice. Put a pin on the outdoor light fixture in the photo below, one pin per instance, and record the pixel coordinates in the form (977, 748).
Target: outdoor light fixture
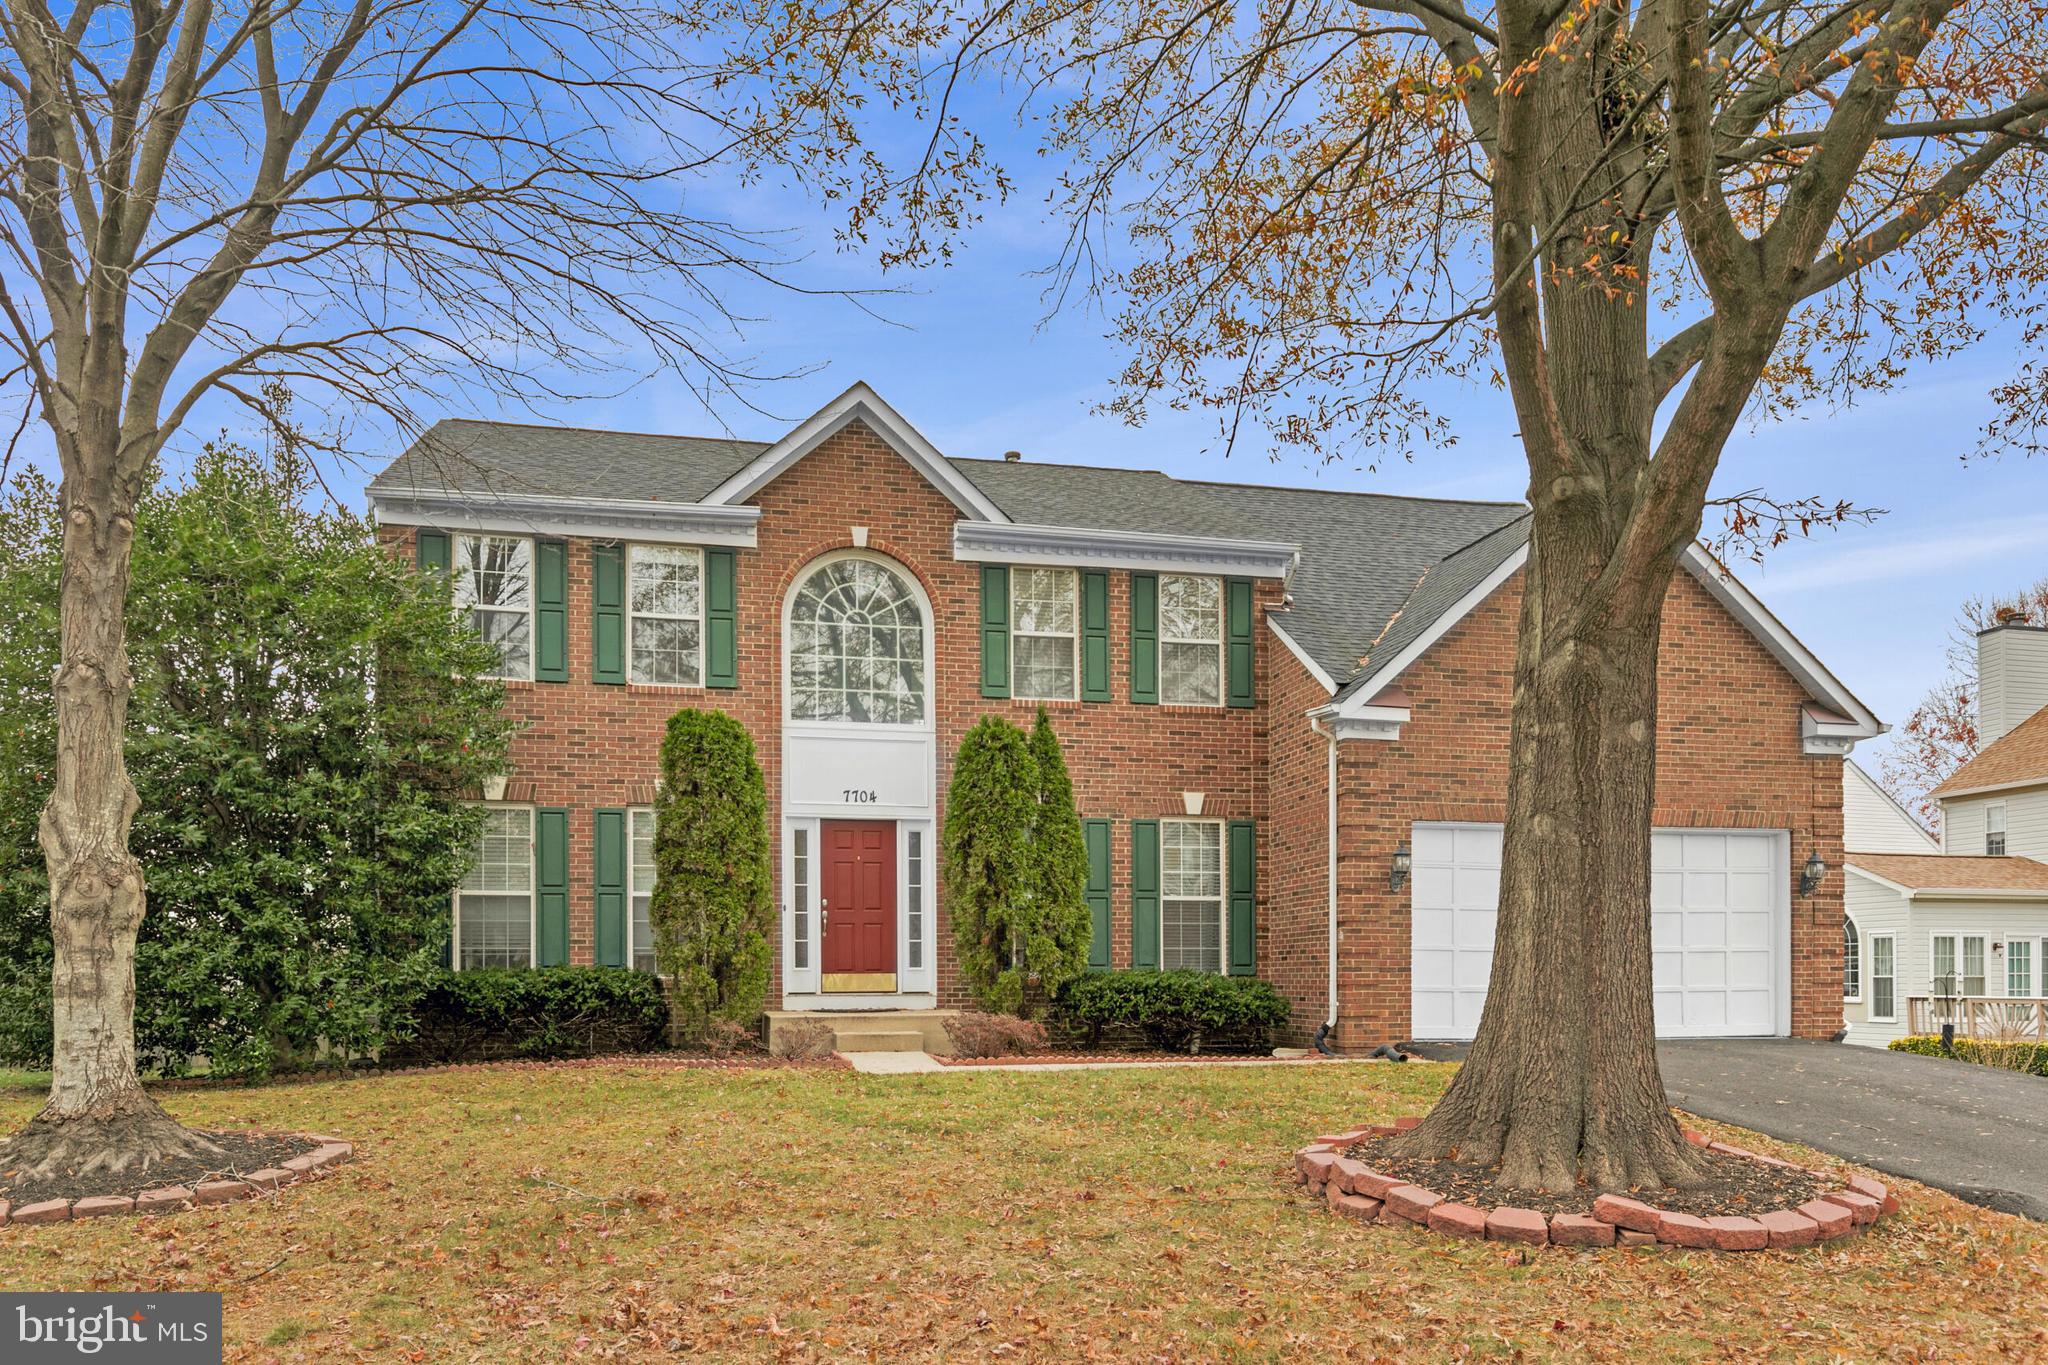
(1810, 876)
(1397, 873)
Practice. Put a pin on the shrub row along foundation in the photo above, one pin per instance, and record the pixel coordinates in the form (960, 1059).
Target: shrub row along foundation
(1355, 1190)
(173, 1198)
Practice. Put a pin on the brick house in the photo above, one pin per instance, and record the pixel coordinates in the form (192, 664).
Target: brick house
(1285, 712)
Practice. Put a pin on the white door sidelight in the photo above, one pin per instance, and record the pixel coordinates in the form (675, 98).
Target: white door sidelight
(1720, 931)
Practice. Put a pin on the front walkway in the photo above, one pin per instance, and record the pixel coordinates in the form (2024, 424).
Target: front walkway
(1980, 1134)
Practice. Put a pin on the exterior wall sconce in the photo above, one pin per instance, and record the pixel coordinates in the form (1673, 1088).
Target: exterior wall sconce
(1397, 871)
(1811, 875)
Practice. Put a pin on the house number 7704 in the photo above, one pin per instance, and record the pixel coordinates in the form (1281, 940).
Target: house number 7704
(854, 796)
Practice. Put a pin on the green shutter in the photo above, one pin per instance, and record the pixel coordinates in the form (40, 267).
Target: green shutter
(609, 860)
(551, 879)
(1145, 893)
(1145, 638)
(1237, 639)
(551, 610)
(608, 613)
(1095, 833)
(1095, 635)
(432, 549)
(1244, 900)
(995, 630)
(721, 619)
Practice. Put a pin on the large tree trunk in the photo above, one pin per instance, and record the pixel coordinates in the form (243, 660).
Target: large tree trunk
(1562, 1080)
(98, 1116)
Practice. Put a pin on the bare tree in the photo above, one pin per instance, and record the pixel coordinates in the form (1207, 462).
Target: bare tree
(1642, 217)
(365, 200)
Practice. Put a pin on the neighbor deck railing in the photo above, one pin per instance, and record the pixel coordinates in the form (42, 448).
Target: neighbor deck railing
(2000, 1018)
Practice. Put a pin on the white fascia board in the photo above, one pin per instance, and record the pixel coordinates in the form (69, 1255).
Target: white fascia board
(1382, 723)
(980, 542)
(860, 403)
(1384, 672)
(637, 519)
(1315, 670)
(1785, 647)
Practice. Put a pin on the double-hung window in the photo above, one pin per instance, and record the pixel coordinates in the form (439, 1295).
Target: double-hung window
(1191, 895)
(1045, 613)
(1190, 640)
(640, 888)
(2019, 968)
(1852, 964)
(1884, 990)
(665, 617)
(1957, 962)
(494, 904)
(494, 584)
(1994, 829)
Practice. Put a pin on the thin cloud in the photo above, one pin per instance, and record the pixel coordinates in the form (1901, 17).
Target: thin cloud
(1912, 558)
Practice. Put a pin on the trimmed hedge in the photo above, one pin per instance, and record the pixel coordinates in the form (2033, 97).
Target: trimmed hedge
(1179, 1011)
(549, 1012)
(2031, 1058)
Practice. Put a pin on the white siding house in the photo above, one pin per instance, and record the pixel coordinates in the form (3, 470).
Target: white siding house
(1872, 822)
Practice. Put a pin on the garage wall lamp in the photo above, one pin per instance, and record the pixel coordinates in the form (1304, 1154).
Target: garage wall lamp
(1397, 871)
(1811, 876)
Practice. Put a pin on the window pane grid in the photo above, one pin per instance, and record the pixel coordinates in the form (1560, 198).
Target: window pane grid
(1044, 612)
(1190, 639)
(494, 584)
(494, 903)
(800, 898)
(640, 887)
(1191, 895)
(1883, 1003)
(2019, 968)
(914, 910)
(856, 645)
(1852, 968)
(665, 600)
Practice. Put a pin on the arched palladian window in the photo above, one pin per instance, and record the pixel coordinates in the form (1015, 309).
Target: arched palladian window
(1852, 962)
(856, 646)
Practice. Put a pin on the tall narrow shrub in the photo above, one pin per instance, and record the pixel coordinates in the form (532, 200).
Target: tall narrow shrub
(988, 870)
(711, 907)
(1056, 927)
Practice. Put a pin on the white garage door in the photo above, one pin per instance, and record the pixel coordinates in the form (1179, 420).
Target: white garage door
(1719, 935)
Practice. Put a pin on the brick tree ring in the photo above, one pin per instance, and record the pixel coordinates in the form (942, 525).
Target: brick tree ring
(325, 1153)
(1353, 1189)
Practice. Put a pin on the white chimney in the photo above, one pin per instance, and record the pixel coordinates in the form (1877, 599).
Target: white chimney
(2012, 678)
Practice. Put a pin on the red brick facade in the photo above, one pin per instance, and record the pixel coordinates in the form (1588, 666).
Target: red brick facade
(1730, 750)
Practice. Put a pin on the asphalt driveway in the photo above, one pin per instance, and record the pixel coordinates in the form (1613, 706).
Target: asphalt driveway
(1979, 1134)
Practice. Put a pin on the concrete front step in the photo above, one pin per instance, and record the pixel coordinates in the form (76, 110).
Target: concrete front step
(874, 1030)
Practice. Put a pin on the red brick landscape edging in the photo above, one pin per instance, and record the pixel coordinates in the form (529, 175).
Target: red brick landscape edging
(1357, 1191)
(327, 1152)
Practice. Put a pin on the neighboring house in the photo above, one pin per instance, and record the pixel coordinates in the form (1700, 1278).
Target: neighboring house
(1285, 712)
(1968, 917)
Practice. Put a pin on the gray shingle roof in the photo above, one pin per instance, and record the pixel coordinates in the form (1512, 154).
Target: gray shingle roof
(1364, 556)
(1442, 586)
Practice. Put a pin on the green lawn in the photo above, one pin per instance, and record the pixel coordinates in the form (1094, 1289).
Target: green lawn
(631, 1210)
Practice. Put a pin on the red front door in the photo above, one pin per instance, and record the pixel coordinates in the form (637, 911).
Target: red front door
(858, 891)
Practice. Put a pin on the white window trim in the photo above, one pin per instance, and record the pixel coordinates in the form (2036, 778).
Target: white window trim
(532, 891)
(1892, 941)
(1072, 637)
(1862, 961)
(633, 617)
(1995, 808)
(2034, 949)
(793, 723)
(461, 562)
(1221, 643)
(1959, 935)
(1222, 888)
(633, 889)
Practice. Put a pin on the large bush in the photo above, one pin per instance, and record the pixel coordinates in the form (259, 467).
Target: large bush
(308, 715)
(1181, 1011)
(712, 906)
(498, 1013)
(1016, 866)
(2028, 1057)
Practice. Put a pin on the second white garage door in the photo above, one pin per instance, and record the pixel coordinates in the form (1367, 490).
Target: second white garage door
(1719, 932)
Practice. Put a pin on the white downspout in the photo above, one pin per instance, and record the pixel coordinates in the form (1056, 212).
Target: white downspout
(1330, 842)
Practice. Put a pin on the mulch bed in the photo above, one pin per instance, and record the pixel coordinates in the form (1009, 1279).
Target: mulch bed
(1735, 1185)
(1036, 1058)
(242, 1153)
